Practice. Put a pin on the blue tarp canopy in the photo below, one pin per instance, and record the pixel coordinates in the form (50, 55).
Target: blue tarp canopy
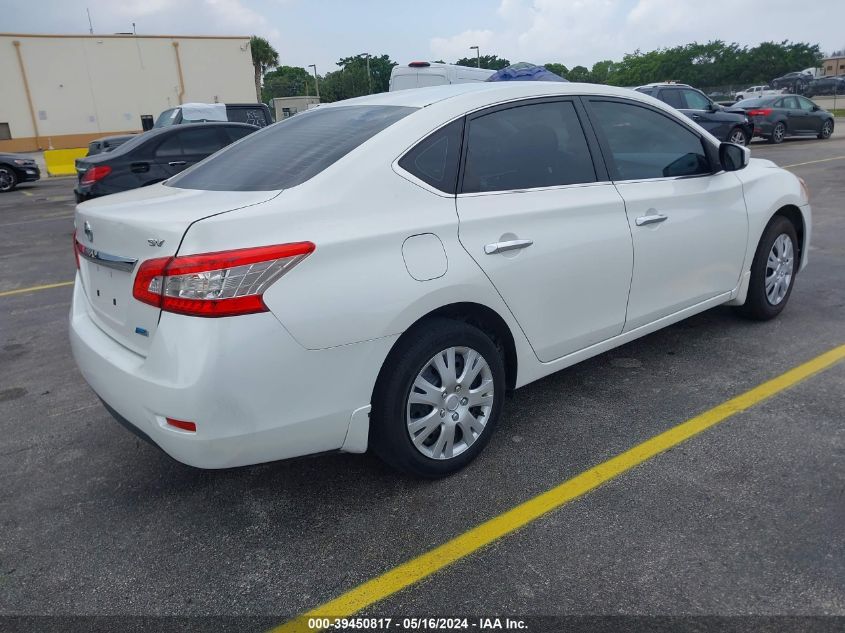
(523, 71)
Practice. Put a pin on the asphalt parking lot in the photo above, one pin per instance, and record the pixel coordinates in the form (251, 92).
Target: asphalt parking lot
(744, 519)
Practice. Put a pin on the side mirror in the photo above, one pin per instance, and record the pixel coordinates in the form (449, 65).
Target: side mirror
(733, 157)
(816, 108)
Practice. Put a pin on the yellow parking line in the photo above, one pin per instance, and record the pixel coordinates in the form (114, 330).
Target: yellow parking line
(423, 566)
(811, 162)
(20, 291)
(26, 193)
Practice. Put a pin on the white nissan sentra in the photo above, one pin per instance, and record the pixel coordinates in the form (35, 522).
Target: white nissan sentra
(379, 272)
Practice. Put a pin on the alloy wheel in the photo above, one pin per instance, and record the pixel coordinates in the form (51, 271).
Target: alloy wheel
(827, 129)
(450, 403)
(738, 137)
(6, 180)
(779, 132)
(779, 267)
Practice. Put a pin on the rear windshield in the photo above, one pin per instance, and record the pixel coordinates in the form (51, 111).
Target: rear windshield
(290, 152)
(752, 103)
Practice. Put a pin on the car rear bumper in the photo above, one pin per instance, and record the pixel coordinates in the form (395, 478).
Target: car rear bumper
(253, 392)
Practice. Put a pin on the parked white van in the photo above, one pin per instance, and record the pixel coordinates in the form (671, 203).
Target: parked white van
(422, 74)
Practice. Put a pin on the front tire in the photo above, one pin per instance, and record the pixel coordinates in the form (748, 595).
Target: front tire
(738, 136)
(773, 271)
(778, 133)
(438, 398)
(8, 179)
(827, 130)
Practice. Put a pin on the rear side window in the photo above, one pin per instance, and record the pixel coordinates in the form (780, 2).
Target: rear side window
(435, 159)
(538, 145)
(200, 141)
(290, 152)
(169, 147)
(646, 144)
(673, 98)
(237, 133)
(252, 115)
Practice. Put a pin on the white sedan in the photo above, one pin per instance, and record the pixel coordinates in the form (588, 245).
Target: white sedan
(378, 272)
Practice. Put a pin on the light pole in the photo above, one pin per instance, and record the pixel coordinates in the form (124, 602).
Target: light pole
(477, 55)
(316, 85)
(369, 77)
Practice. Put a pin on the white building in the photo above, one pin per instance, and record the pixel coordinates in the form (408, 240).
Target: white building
(288, 106)
(62, 91)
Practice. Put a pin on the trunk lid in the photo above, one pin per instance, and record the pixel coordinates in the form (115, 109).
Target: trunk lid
(121, 231)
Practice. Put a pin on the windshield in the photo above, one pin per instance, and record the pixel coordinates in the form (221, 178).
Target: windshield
(168, 117)
(288, 153)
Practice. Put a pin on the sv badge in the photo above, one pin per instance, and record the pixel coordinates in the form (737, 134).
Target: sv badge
(154, 242)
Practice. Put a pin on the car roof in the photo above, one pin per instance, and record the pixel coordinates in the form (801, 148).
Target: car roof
(661, 84)
(494, 90)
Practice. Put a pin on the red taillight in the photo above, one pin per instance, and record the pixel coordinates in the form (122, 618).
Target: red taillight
(419, 64)
(181, 424)
(760, 112)
(225, 283)
(75, 249)
(94, 174)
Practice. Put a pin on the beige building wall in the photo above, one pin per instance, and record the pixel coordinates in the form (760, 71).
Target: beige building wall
(84, 87)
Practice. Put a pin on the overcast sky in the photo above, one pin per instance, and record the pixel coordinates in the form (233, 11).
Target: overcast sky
(568, 31)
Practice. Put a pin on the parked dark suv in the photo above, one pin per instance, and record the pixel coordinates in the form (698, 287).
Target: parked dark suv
(724, 124)
(153, 156)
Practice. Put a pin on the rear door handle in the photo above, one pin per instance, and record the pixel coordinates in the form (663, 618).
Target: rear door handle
(177, 163)
(510, 245)
(651, 219)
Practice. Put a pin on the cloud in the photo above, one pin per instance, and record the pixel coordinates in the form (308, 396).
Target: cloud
(457, 46)
(586, 31)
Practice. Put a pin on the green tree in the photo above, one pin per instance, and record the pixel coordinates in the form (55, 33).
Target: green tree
(579, 73)
(491, 62)
(264, 56)
(558, 69)
(602, 72)
(287, 81)
(352, 79)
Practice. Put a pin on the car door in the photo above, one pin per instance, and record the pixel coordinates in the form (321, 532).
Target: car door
(168, 157)
(539, 216)
(699, 109)
(689, 224)
(796, 119)
(812, 117)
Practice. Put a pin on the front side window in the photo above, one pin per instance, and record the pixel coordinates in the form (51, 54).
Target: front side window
(537, 145)
(292, 151)
(695, 100)
(645, 144)
(435, 159)
(805, 104)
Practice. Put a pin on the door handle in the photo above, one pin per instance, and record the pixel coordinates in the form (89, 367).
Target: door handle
(510, 245)
(651, 219)
(139, 168)
(177, 163)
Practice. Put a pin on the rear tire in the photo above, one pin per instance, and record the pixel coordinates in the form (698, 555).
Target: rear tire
(778, 133)
(827, 130)
(768, 289)
(8, 179)
(440, 431)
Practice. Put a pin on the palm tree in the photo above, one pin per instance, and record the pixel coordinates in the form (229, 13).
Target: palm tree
(264, 56)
